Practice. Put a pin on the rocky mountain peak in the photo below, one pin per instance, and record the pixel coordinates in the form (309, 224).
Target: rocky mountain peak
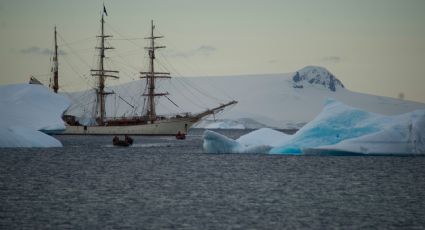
(316, 75)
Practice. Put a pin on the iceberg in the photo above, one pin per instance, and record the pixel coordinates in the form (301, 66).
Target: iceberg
(405, 134)
(264, 136)
(24, 137)
(338, 129)
(28, 111)
(258, 141)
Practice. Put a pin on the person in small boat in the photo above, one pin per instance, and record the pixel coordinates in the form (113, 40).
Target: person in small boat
(126, 142)
(128, 139)
(180, 135)
(115, 140)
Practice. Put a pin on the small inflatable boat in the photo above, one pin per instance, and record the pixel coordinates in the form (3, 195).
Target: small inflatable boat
(180, 136)
(124, 143)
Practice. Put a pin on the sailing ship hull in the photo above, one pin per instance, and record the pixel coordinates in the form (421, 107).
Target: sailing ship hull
(161, 127)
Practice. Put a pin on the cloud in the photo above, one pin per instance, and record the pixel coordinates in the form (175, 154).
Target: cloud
(333, 59)
(203, 50)
(40, 51)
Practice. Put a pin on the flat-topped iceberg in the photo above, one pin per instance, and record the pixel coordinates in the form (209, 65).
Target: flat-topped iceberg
(338, 129)
(27, 111)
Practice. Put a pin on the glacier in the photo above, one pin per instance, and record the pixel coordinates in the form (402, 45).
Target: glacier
(28, 111)
(338, 129)
(280, 101)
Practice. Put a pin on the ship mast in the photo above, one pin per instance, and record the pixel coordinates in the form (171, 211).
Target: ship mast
(102, 74)
(55, 85)
(151, 76)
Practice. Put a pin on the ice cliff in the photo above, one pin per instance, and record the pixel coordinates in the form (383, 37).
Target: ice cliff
(27, 111)
(338, 129)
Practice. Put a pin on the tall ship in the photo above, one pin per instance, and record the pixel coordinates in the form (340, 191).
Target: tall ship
(148, 122)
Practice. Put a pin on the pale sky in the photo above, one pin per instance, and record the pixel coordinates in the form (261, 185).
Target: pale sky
(372, 46)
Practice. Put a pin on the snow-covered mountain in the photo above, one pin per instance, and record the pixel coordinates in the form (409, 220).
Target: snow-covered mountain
(273, 100)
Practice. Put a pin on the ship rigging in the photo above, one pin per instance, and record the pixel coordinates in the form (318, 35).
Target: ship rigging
(148, 122)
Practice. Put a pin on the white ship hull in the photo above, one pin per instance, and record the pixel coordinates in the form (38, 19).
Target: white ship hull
(161, 127)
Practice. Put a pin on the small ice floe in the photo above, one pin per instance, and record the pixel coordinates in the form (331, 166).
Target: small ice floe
(337, 129)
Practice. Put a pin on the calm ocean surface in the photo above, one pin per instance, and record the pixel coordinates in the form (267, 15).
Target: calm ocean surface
(162, 183)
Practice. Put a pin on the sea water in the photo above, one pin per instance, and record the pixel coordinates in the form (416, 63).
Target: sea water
(161, 182)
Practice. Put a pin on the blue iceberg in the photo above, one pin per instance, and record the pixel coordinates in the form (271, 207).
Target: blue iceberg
(337, 129)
